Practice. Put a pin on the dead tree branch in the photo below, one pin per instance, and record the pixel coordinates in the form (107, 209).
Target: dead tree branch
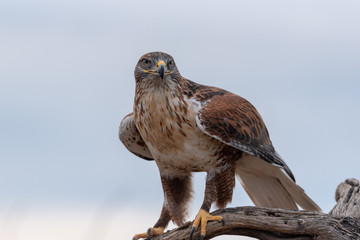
(342, 223)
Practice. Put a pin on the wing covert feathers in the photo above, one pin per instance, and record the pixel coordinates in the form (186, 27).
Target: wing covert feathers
(131, 138)
(268, 186)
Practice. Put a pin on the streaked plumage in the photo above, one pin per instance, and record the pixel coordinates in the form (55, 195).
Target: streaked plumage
(188, 127)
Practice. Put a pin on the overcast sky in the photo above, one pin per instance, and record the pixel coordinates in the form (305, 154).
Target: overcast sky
(66, 81)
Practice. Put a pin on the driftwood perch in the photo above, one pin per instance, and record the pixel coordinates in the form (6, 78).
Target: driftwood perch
(343, 221)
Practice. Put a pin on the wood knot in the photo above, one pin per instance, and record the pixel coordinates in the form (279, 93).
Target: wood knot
(344, 187)
(353, 182)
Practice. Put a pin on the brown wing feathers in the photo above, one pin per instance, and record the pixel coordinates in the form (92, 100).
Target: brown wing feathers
(234, 121)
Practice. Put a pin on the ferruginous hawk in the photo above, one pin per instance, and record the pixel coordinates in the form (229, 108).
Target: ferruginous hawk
(188, 127)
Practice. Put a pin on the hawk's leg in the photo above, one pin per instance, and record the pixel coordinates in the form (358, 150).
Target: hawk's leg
(203, 215)
(177, 192)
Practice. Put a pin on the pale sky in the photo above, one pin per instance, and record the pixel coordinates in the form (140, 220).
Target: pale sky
(66, 81)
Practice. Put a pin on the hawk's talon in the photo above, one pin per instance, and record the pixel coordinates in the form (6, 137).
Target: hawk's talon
(148, 234)
(223, 222)
(202, 237)
(192, 232)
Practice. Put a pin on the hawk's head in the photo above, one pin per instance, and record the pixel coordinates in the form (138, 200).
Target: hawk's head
(156, 66)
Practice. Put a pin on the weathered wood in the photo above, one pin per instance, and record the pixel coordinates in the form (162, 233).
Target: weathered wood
(348, 199)
(267, 223)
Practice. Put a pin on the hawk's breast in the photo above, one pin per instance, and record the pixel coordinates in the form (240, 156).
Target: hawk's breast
(167, 125)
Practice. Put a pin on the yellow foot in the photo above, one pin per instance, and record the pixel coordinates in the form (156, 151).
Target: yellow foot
(202, 218)
(151, 232)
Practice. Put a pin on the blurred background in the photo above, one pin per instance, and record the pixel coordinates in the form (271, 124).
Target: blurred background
(66, 81)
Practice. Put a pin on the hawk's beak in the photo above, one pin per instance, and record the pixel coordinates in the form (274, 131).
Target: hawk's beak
(160, 68)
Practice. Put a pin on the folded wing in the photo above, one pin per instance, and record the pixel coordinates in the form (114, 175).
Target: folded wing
(235, 122)
(131, 138)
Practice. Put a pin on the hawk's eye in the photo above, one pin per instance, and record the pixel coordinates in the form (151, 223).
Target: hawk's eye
(170, 63)
(146, 61)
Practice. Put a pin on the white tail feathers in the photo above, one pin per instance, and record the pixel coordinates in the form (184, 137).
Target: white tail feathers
(268, 186)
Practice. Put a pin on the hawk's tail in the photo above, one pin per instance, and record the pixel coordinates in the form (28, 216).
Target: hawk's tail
(268, 186)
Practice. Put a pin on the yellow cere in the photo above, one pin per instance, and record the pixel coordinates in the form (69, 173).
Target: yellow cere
(159, 63)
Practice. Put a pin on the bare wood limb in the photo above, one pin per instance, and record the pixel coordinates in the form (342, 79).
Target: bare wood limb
(267, 223)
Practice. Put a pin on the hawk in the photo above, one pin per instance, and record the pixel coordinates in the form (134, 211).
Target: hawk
(188, 127)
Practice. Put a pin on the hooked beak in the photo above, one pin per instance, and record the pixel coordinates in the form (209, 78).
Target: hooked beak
(160, 68)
